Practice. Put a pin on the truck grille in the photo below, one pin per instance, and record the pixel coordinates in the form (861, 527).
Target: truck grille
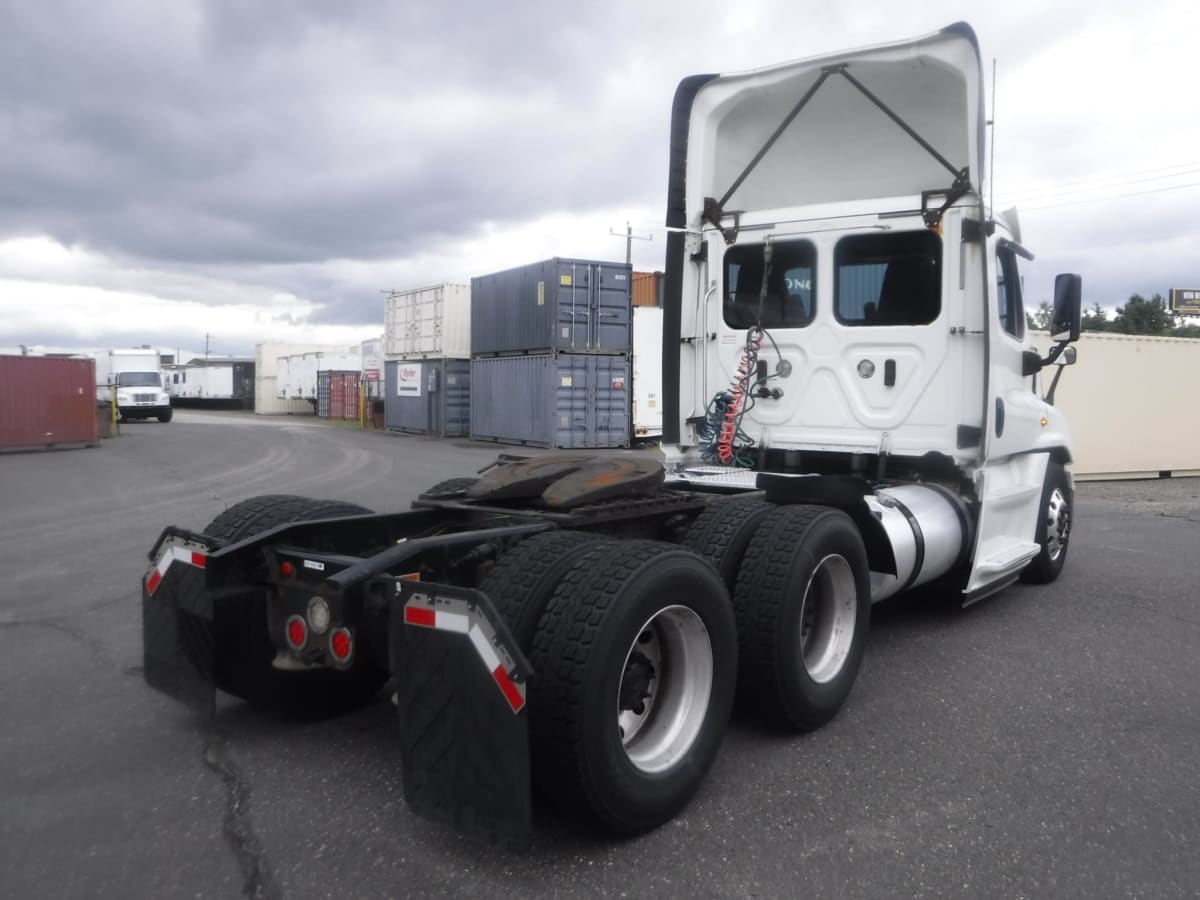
(143, 398)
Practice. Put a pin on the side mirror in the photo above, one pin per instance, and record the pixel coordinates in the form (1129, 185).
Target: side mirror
(1066, 358)
(1068, 308)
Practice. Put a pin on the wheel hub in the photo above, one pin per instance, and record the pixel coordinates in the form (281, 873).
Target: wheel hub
(827, 617)
(1058, 524)
(665, 688)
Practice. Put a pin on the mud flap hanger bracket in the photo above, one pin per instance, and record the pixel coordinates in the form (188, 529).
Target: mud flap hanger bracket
(714, 210)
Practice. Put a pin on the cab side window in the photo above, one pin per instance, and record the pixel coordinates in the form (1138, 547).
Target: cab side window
(1008, 293)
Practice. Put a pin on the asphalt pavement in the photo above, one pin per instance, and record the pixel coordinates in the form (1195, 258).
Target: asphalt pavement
(1042, 743)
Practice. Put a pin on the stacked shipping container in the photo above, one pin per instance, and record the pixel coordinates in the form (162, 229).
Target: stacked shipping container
(427, 344)
(550, 354)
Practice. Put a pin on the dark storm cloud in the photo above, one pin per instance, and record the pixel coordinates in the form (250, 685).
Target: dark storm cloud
(237, 133)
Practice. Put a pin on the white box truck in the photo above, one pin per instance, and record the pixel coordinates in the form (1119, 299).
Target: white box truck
(136, 377)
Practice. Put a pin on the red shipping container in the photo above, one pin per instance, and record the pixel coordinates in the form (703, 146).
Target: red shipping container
(47, 400)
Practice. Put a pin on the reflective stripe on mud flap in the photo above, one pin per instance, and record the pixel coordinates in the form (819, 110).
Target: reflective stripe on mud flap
(174, 553)
(462, 617)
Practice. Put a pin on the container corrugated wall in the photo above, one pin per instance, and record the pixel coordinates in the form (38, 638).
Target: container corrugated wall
(337, 395)
(565, 400)
(566, 305)
(47, 400)
(646, 287)
(428, 396)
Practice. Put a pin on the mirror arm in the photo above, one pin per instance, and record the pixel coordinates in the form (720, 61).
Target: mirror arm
(1054, 385)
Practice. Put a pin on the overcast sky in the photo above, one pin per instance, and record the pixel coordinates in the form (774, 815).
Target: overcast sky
(257, 171)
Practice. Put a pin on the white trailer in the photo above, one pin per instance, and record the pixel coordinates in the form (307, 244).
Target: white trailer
(647, 372)
(297, 374)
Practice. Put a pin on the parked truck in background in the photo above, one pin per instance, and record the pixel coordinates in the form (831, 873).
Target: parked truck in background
(852, 409)
(135, 376)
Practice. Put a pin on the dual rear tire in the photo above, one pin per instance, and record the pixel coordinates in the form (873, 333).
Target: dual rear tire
(635, 659)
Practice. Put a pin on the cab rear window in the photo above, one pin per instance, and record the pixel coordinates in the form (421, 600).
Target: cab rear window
(790, 281)
(888, 279)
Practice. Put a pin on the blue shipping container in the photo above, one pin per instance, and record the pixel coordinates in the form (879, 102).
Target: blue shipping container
(566, 400)
(568, 305)
(428, 396)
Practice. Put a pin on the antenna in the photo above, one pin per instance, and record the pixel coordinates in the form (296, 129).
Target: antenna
(992, 164)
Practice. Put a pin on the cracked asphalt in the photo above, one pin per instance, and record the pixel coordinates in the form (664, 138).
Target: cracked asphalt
(1039, 744)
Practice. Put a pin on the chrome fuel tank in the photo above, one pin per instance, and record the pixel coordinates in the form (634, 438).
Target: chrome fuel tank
(928, 526)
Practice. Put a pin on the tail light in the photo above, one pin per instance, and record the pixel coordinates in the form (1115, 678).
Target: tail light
(341, 646)
(297, 632)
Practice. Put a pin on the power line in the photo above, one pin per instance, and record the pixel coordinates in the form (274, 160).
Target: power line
(1160, 190)
(1109, 176)
(1035, 197)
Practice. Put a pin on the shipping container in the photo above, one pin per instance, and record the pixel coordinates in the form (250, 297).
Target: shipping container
(268, 403)
(647, 372)
(428, 323)
(46, 401)
(566, 400)
(337, 395)
(566, 305)
(428, 396)
(647, 288)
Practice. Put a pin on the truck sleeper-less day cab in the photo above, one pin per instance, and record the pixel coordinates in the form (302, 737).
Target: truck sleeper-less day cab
(852, 410)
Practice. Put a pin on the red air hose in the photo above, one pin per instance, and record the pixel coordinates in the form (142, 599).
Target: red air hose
(741, 386)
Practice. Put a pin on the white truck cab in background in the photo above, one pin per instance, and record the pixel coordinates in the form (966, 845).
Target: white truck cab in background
(136, 377)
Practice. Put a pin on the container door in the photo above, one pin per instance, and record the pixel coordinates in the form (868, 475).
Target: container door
(611, 309)
(574, 306)
(608, 387)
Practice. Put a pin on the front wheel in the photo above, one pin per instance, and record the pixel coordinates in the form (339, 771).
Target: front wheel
(634, 660)
(165, 416)
(1053, 528)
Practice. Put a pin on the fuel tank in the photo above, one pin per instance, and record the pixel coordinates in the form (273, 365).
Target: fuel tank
(929, 529)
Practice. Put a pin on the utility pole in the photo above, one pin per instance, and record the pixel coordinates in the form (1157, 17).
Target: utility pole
(629, 238)
(206, 337)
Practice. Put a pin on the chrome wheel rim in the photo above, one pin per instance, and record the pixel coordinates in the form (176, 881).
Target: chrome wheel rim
(1058, 524)
(666, 684)
(827, 616)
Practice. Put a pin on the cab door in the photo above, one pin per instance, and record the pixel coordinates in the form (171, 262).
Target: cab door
(1009, 484)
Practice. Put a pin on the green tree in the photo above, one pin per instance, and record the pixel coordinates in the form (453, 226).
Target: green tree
(1142, 316)
(1041, 318)
(1095, 319)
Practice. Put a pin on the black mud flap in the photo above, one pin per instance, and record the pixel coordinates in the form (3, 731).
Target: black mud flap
(463, 725)
(178, 640)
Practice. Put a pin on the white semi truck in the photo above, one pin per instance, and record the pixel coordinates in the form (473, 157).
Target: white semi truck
(853, 409)
(136, 376)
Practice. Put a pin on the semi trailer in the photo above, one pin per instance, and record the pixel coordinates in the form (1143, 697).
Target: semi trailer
(852, 409)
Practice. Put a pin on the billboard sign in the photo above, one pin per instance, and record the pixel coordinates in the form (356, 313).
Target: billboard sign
(408, 379)
(1185, 301)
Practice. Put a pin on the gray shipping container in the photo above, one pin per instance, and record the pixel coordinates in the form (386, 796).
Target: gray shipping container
(569, 305)
(563, 400)
(428, 396)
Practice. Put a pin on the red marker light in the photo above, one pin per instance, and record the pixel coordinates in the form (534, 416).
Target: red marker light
(297, 633)
(287, 570)
(341, 645)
